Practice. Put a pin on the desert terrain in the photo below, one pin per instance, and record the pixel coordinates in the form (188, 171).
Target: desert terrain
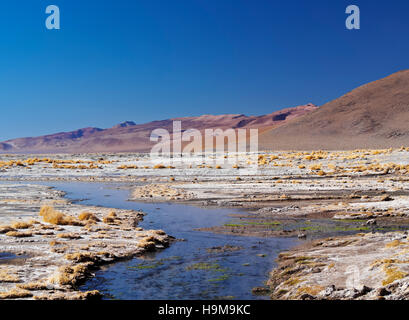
(341, 188)
(131, 137)
(374, 115)
(360, 197)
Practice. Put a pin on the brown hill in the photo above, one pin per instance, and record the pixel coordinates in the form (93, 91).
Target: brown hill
(375, 115)
(131, 137)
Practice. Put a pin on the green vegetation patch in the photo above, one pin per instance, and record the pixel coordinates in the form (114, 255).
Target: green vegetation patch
(144, 265)
(221, 278)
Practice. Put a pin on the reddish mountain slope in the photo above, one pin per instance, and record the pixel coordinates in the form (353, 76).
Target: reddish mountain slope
(375, 115)
(131, 137)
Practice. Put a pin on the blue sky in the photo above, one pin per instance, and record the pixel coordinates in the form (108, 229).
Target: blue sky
(143, 60)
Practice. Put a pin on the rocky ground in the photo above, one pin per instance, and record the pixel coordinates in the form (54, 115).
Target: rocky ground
(363, 266)
(312, 195)
(48, 246)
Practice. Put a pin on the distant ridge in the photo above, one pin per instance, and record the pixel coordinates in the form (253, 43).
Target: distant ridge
(131, 137)
(375, 115)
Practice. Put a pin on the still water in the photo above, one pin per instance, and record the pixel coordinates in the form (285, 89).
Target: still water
(188, 269)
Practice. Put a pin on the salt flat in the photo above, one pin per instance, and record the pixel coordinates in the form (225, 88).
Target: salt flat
(366, 186)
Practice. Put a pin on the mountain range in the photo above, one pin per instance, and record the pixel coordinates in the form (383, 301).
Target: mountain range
(131, 137)
(374, 115)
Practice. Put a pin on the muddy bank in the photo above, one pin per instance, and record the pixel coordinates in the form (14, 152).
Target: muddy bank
(50, 246)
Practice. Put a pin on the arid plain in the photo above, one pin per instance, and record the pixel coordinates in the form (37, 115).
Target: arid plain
(57, 243)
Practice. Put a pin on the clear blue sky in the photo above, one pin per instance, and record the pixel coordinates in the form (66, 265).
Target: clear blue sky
(143, 60)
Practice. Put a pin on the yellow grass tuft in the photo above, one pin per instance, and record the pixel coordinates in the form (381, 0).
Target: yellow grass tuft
(70, 275)
(292, 281)
(6, 276)
(21, 225)
(68, 236)
(19, 234)
(392, 274)
(110, 218)
(316, 167)
(311, 290)
(393, 244)
(34, 286)
(82, 257)
(5, 229)
(86, 216)
(52, 216)
(112, 214)
(147, 243)
(55, 243)
(15, 294)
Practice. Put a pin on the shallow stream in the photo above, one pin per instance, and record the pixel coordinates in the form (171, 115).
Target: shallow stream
(194, 268)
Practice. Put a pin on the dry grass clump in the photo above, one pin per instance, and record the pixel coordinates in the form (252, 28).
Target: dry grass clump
(316, 155)
(147, 243)
(88, 295)
(55, 243)
(88, 216)
(110, 218)
(5, 229)
(311, 290)
(5, 276)
(316, 167)
(32, 286)
(15, 294)
(130, 166)
(22, 225)
(53, 216)
(393, 244)
(392, 274)
(59, 249)
(292, 281)
(50, 227)
(82, 257)
(69, 235)
(112, 214)
(69, 164)
(332, 166)
(71, 275)
(19, 234)
(159, 232)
